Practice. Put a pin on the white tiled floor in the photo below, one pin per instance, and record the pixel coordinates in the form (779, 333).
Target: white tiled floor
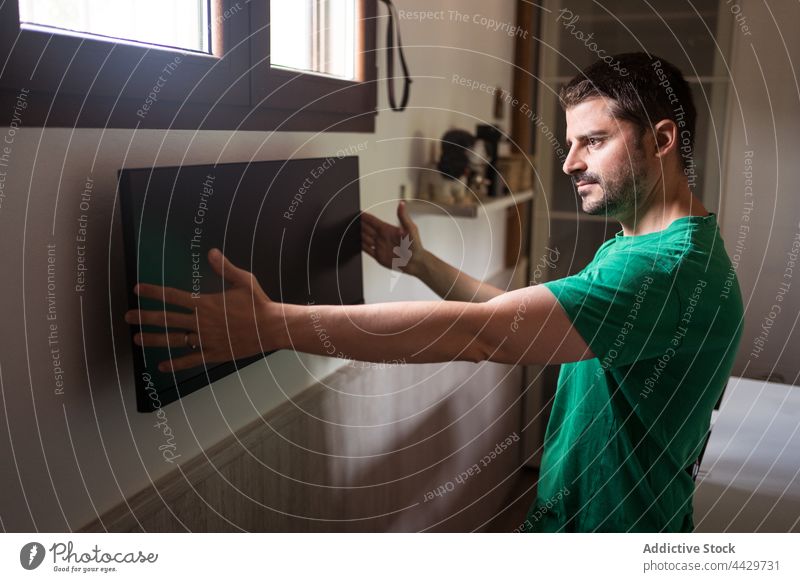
(751, 469)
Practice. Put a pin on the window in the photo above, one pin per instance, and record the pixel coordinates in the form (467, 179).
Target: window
(327, 40)
(191, 64)
(180, 23)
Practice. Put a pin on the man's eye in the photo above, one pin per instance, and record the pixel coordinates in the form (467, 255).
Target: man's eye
(593, 141)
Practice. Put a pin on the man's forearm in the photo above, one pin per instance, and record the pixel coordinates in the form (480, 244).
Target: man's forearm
(451, 284)
(413, 332)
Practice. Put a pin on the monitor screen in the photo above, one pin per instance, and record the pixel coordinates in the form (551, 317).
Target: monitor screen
(294, 224)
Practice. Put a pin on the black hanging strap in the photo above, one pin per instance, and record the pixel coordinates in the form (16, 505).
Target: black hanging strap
(390, 48)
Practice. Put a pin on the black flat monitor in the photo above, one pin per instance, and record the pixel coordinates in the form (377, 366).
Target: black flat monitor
(295, 224)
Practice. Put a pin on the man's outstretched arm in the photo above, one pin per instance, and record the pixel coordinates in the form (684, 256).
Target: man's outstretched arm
(519, 327)
(451, 283)
(400, 247)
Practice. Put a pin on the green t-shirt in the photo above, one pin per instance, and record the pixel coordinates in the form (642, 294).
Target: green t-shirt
(662, 313)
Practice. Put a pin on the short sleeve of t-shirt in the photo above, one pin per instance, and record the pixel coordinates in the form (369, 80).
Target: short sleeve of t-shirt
(624, 304)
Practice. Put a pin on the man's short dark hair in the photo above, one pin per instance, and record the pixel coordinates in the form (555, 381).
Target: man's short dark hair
(645, 90)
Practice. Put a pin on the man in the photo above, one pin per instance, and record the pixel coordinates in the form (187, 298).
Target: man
(647, 332)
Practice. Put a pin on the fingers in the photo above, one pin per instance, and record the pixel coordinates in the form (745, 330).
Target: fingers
(165, 294)
(161, 319)
(368, 228)
(173, 340)
(367, 248)
(183, 363)
(227, 270)
(369, 235)
(405, 220)
(368, 238)
(371, 220)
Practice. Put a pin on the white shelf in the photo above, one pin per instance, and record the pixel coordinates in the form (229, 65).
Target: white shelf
(428, 207)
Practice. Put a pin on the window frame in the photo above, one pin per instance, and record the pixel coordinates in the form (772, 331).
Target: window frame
(132, 85)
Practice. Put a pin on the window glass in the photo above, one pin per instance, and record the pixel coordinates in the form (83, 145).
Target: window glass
(172, 23)
(314, 35)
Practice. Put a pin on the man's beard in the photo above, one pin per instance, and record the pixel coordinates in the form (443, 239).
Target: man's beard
(620, 191)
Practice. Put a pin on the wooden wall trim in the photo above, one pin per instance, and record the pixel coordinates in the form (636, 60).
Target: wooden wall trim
(526, 73)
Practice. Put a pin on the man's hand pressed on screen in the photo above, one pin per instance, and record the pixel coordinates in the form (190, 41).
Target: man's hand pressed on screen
(223, 326)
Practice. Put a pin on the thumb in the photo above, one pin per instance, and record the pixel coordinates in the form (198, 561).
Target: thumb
(405, 220)
(227, 270)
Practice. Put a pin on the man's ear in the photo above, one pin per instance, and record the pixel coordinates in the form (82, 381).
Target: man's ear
(666, 138)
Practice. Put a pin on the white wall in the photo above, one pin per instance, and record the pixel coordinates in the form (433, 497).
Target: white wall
(760, 226)
(67, 457)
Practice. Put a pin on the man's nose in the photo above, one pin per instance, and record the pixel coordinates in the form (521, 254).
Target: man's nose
(574, 162)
